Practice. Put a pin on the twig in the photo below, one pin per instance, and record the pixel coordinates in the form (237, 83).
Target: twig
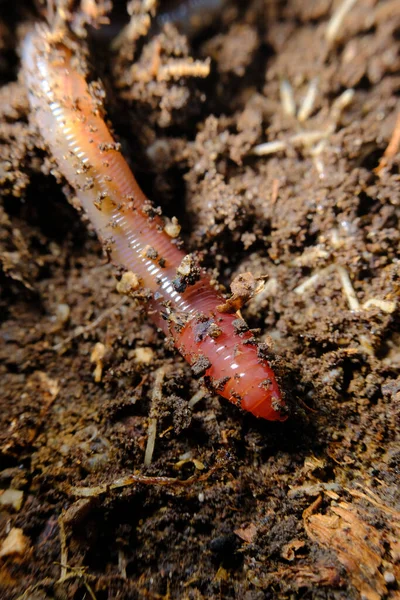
(78, 573)
(89, 492)
(339, 104)
(269, 148)
(337, 19)
(392, 147)
(387, 306)
(122, 563)
(152, 427)
(287, 98)
(151, 441)
(275, 190)
(64, 549)
(310, 281)
(309, 138)
(32, 588)
(348, 289)
(307, 106)
(89, 589)
(199, 395)
(307, 283)
(50, 390)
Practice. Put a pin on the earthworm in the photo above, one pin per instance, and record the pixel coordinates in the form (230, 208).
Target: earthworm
(69, 114)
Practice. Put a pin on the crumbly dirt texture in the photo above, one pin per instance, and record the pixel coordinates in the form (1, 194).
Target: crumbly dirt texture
(120, 477)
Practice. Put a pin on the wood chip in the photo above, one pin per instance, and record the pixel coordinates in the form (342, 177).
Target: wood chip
(16, 543)
(348, 530)
(289, 551)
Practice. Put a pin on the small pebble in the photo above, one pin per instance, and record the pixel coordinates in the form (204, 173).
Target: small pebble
(62, 313)
(129, 283)
(143, 355)
(186, 265)
(389, 578)
(172, 227)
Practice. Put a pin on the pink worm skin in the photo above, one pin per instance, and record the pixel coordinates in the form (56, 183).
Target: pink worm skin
(70, 119)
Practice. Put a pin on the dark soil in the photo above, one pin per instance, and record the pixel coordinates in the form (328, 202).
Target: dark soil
(245, 509)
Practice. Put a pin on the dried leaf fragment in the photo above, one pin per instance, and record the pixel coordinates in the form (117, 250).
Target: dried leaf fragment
(243, 288)
(16, 543)
(247, 534)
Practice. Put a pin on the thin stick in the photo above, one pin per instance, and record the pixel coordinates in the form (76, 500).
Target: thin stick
(151, 441)
(199, 395)
(387, 306)
(64, 549)
(152, 427)
(392, 148)
(269, 148)
(287, 98)
(308, 103)
(90, 492)
(337, 19)
(348, 289)
(310, 281)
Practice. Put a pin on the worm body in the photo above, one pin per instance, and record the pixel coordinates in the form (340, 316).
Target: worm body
(69, 114)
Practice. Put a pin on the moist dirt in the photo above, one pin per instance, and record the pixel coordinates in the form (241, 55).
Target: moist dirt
(224, 505)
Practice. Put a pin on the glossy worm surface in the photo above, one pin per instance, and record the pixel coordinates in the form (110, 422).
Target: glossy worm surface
(69, 114)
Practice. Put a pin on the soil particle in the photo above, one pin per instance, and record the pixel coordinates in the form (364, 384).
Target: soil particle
(200, 365)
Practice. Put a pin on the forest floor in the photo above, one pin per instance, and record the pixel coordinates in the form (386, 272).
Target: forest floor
(227, 506)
